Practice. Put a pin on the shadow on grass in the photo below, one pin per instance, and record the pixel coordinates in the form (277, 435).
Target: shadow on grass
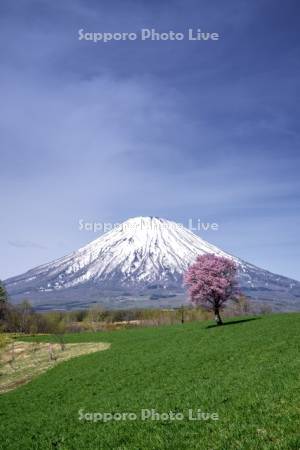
(233, 322)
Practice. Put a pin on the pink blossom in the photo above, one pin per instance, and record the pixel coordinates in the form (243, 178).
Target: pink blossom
(211, 282)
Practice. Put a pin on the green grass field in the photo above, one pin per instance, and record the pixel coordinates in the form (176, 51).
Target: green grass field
(246, 372)
(20, 362)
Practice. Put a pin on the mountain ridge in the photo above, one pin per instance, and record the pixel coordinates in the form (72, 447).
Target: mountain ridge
(141, 253)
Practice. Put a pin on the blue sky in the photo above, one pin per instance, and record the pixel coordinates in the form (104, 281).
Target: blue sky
(177, 129)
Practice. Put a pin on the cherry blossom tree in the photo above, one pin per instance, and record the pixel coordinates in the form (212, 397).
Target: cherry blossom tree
(211, 282)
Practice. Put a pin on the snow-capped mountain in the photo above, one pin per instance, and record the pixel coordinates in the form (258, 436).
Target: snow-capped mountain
(144, 258)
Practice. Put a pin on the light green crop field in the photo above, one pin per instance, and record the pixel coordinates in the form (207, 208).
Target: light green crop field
(246, 373)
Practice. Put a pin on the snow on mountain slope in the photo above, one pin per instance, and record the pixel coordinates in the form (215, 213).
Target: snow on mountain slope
(141, 249)
(140, 252)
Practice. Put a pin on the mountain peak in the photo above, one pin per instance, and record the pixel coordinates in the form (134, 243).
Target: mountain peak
(147, 220)
(140, 253)
(140, 250)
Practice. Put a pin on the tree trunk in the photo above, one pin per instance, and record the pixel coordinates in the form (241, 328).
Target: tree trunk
(218, 317)
(182, 314)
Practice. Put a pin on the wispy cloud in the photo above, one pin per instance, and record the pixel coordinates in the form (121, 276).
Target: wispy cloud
(27, 244)
(158, 128)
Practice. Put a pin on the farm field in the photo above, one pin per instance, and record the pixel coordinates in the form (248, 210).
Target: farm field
(247, 372)
(20, 362)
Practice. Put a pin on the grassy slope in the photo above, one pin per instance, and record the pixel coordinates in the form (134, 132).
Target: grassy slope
(32, 358)
(246, 372)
